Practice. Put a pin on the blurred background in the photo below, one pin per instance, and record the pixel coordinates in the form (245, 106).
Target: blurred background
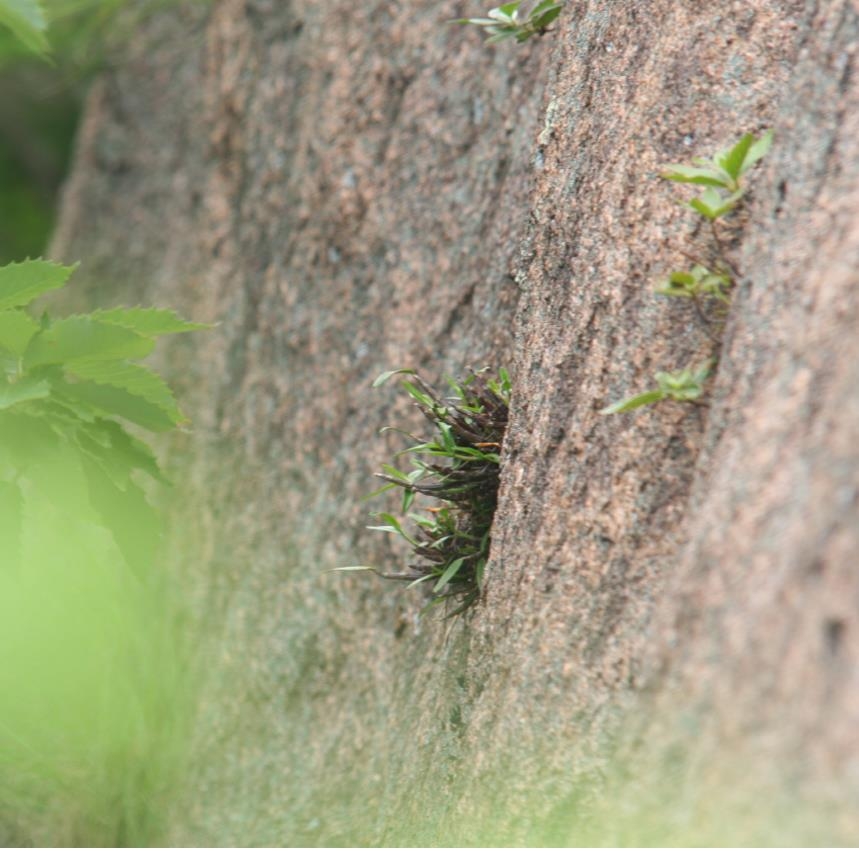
(94, 689)
(42, 97)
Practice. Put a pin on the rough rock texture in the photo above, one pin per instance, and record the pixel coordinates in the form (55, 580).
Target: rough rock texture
(668, 649)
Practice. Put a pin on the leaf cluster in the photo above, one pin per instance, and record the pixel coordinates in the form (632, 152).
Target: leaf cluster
(683, 386)
(697, 283)
(505, 21)
(721, 175)
(457, 469)
(67, 388)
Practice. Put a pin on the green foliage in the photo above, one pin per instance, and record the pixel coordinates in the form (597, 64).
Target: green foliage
(26, 20)
(69, 32)
(697, 283)
(505, 21)
(93, 691)
(722, 175)
(683, 386)
(457, 469)
(48, 51)
(66, 385)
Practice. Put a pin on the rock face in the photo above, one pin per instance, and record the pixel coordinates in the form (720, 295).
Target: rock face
(668, 648)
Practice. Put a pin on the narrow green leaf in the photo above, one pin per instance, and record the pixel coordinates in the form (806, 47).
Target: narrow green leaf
(647, 398)
(354, 568)
(542, 21)
(758, 151)
(395, 473)
(26, 19)
(418, 395)
(20, 283)
(508, 10)
(690, 174)
(449, 573)
(482, 22)
(381, 379)
(386, 487)
(732, 160)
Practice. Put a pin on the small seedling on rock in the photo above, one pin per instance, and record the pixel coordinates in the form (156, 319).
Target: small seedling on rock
(457, 469)
(722, 175)
(697, 283)
(506, 21)
(683, 386)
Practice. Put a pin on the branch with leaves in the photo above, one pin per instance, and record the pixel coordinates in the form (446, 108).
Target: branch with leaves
(68, 386)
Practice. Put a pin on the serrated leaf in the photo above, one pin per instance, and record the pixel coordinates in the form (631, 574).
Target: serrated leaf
(22, 391)
(127, 514)
(26, 19)
(136, 454)
(20, 283)
(133, 378)
(16, 330)
(150, 322)
(109, 401)
(82, 338)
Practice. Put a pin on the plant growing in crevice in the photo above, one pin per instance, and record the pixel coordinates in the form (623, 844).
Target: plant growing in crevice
(707, 284)
(457, 470)
(509, 21)
(683, 386)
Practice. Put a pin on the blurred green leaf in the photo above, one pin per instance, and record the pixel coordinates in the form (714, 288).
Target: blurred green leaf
(20, 283)
(26, 20)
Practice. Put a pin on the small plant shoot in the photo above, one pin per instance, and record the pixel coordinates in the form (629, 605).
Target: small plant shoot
(722, 175)
(697, 283)
(456, 470)
(683, 386)
(509, 21)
